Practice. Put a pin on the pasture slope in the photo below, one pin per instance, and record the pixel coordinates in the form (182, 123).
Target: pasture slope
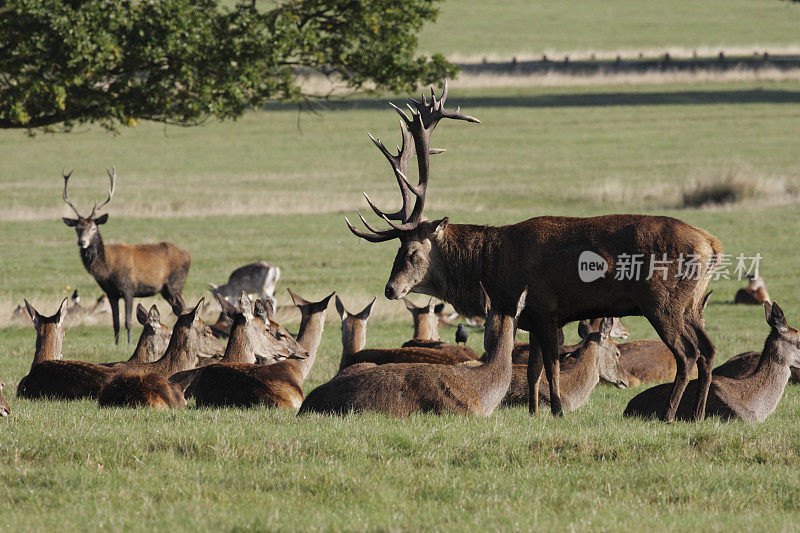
(260, 189)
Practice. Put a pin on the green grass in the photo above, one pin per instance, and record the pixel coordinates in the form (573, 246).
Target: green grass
(508, 27)
(279, 194)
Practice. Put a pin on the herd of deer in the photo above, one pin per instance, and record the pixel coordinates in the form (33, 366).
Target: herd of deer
(514, 277)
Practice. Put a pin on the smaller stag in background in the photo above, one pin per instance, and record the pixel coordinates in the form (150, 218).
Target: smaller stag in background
(754, 294)
(124, 270)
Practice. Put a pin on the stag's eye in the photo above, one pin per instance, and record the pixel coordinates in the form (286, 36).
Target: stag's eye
(412, 256)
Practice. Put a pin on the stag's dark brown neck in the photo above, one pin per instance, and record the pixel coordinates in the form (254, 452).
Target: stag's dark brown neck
(94, 257)
(467, 256)
(309, 337)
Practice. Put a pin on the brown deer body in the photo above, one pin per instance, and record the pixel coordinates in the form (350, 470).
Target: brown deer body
(123, 270)
(354, 337)
(753, 397)
(650, 361)
(597, 358)
(754, 294)
(141, 389)
(274, 385)
(446, 261)
(5, 409)
(51, 377)
(402, 389)
(426, 333)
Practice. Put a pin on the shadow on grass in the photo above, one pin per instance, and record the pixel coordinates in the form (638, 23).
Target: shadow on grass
(749, 96)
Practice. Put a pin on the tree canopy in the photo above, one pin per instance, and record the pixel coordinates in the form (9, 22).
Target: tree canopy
(68, 62)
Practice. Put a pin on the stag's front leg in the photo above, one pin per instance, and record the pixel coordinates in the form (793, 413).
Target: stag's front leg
(128, 313)
(535, 365)
(114, 303)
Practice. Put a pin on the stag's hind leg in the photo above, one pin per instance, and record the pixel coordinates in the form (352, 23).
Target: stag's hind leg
(546, 332)
(113, 301)
(535, 365)
(705, 363)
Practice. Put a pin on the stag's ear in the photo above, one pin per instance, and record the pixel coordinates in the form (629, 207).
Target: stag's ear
(705, 300)
(36, 318)
(102, 219)
(484, 299)
(606, 325)
(226, 306)
(297, 300)
(409, 304)
(245, 305)
(584, 329)
(62, 312)
(364, 314)
(440, 227)
(776, 318)
(141, 314)
(153, 316)
(521, 302)
(71, 222)
(340, 308)
(178, 305)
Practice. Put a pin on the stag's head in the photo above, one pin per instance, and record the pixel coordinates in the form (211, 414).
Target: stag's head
(86, 227)
(420, 238)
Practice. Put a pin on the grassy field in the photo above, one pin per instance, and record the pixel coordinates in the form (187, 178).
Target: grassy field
(261, 188)
(471, 29)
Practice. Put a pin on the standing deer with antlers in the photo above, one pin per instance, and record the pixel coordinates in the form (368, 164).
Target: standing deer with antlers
(447, 260)
(124, 270)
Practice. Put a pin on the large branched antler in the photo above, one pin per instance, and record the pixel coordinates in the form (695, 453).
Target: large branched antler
(418, 128)
(112, 176)
(64, 194)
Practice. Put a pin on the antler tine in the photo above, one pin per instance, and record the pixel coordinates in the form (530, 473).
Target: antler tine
(112, 176)
(65, 195)
(369, 236)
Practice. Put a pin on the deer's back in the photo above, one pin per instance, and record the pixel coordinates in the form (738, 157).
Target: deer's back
(406, 355)
(455, 351)
(245, 385)
(64, 380)
(136, 389)
(150, 263)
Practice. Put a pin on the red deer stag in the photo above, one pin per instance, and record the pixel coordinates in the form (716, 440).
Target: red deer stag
(752, 397)
(51, 377)
(402, 389)
(277, 385)
(124, 270)
(446, 261)
(354, 337)
(5, 410)
(426, 332)
(597, 358)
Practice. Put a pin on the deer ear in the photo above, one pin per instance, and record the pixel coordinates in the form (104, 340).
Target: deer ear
(485, 301)
(153, 315)
(340, 308)
(141, 314)
(606, 325)
(245, 305)
(440, 227)
(409, 304)
(226, 306)
(705, 300)
(584, 329)
(36, 318)
(521, 302)
(364, 314)
(62, 312)
(260, 310)
(178, 305)
(71, 222)
(102, 219)
(297, 300)
(196, 311)
(776, 318)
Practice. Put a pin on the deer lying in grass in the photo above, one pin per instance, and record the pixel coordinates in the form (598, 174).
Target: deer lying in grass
(189, 346)
(276, 385)
(153, 341)
(258, 339)
(595, 359)
(136, 388)
(5, 410)
(354, 337)
(124, 270)
(521, 353)
(753, 397)
(446, 261)
(402, 389)
(754, 294)
(426, 332)
(76, 311)
(51, 377)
